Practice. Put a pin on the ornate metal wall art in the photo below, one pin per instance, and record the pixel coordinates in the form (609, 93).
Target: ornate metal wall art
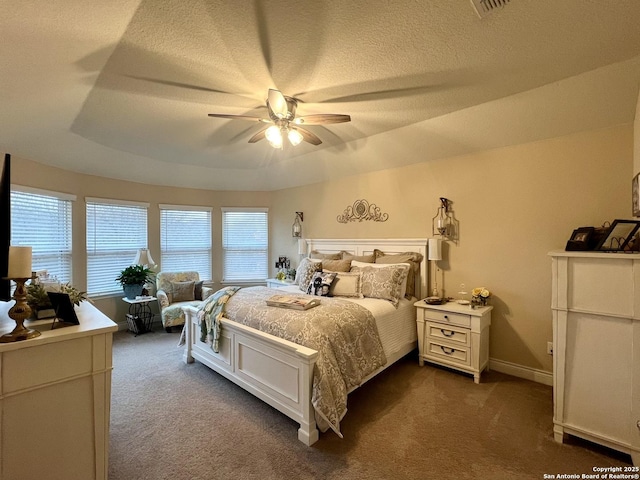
(362, 210)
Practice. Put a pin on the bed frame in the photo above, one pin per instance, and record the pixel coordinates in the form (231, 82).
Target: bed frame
(277, 371)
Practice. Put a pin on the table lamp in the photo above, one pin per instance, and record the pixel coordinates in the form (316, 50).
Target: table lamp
(19, 271)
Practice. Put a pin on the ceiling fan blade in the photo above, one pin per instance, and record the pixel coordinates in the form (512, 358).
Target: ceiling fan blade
(309, 137)
(258, 136)
(277, 103)
(239, 117)
(178, 84)
(322, 119)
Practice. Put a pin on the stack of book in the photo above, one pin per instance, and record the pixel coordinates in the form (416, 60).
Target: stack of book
(295, 302)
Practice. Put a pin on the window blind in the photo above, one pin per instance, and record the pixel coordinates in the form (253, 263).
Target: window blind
(185, 239)
(245, 244)
(115, 232)
(43, 221)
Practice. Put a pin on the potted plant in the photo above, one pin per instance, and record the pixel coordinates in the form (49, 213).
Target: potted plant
(40, 304)
(133, 279)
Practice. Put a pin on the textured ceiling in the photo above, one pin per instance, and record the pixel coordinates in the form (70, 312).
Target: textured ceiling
(122, 88)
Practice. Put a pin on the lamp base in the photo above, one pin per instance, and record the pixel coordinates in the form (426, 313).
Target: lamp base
(19, 333)
(19, 313)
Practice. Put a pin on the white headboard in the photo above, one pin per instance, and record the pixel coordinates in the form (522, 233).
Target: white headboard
(360, 246)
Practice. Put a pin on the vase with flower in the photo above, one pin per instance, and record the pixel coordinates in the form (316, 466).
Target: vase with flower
(479, 296)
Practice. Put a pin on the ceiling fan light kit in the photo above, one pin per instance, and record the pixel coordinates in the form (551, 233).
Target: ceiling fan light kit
(273, 136)
(295, 137)
(282, 116)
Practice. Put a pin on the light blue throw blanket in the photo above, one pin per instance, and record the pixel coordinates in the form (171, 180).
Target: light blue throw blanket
(209, 314)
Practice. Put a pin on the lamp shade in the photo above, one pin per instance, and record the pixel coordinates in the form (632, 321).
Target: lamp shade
(302, 246)
(143, 257)
(435, 249)
(19, 262)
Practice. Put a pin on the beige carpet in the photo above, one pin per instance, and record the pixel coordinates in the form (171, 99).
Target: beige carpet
(175, 421)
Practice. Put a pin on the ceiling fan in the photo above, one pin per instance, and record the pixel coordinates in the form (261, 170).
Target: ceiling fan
(283, 120)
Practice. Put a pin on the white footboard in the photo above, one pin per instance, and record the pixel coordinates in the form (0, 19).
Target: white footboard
(277, 371)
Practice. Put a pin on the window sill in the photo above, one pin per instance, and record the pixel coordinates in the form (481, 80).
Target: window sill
(245, 283)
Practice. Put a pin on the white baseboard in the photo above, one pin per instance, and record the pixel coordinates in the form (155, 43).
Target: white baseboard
(521, 371)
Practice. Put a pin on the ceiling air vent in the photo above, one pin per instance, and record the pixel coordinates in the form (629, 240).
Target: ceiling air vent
(485, 7)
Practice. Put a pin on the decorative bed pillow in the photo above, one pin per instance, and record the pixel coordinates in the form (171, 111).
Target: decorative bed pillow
(406, 266)
(182, 291)
(336, 265)
(412, 258)
(383, 281)
(305, 272)
(324, 256)
(321, 283)
(359, 258)
(347, 284)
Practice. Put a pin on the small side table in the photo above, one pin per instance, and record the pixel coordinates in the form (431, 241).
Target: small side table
(455, 336)
(140, 316)
(275, 283)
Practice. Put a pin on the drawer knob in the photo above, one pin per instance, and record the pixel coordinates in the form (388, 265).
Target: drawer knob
(446, 317)
(447, 351)
(638, 424)
(447, 333)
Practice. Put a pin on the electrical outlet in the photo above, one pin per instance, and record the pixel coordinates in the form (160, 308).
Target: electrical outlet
(550, 348)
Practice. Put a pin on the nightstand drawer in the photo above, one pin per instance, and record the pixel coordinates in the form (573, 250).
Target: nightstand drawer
(448, 317)
(448, 353)
(455, 335)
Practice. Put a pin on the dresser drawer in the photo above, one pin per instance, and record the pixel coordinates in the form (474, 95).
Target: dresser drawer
(440, 351)
(455, 335)
(448, 317)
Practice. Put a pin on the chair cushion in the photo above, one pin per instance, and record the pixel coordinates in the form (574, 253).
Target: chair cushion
(182, 291)
(197, 292)
(173, 314)
(164, 279)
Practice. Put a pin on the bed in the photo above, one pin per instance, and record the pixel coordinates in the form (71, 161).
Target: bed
(281, 372)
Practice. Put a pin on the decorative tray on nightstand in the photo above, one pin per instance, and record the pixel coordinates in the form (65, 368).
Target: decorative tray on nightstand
(435, 300)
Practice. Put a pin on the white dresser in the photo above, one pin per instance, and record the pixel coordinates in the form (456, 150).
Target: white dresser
(454, 336)
(596, 357)
(55, 398)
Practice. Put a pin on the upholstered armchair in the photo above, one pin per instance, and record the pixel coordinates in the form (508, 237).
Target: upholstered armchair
(176, 290)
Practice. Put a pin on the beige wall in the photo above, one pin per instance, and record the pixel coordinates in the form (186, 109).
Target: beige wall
(514, 205)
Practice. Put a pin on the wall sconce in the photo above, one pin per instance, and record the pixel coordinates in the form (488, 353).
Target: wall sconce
(444, 223)
(296, 229)
(441, 223)
(20, 271)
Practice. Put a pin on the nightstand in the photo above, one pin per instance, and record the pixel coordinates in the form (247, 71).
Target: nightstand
(275, 283)
(454, 336)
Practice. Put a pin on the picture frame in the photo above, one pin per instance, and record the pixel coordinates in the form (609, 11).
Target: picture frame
(283, 262)
(635, 196)
(65, 312)
(620, 234)
(580, 239)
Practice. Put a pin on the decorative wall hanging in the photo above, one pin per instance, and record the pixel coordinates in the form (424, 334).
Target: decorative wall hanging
(444, 223)
(362, 210)
(296, 229)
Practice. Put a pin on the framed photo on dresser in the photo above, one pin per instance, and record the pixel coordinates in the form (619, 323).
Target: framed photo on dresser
(619, 235)
(63, 307)
(580, 239)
